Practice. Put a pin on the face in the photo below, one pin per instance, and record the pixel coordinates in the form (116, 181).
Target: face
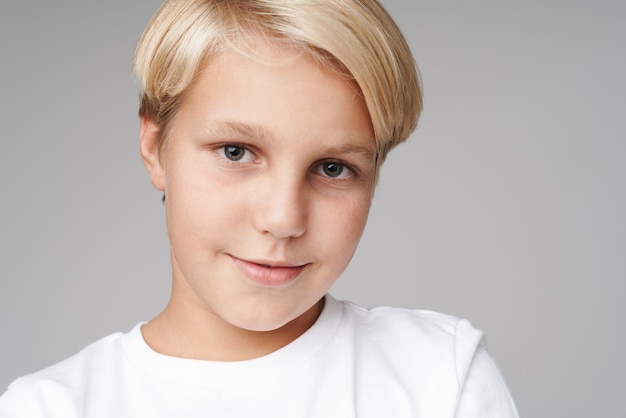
(268, 173)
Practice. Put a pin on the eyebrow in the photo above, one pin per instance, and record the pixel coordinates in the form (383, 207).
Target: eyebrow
(227, 128)
(364, 151)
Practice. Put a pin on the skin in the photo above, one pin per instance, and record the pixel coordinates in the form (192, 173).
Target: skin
(267, 163)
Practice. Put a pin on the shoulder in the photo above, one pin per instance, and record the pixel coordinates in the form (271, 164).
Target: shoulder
(441, 360)
(418, 342)
(417, 329)
(92, 356)
(58, 387)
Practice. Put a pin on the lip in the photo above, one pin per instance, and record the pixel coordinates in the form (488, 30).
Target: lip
(269, 273)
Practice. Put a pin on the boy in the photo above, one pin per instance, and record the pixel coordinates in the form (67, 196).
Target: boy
(264, 123)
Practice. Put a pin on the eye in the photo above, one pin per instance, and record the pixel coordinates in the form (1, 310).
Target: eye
(236, 153)
(335, 170)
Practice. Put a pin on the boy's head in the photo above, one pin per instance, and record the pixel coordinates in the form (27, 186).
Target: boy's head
(355, 38)
(265, 123)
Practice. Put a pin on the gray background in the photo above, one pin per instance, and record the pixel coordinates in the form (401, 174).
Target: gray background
(506, 206)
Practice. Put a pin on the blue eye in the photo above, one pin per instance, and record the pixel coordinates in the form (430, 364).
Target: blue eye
(237, 154)
(234, 152)
(333, 169)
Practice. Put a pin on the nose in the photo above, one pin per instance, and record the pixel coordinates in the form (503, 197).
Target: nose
(282, 208)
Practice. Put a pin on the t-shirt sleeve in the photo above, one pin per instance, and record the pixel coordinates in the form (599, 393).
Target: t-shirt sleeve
(13, 405)
(483, 391)
(31, 398)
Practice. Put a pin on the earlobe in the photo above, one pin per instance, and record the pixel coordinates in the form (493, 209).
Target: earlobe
(149, 135)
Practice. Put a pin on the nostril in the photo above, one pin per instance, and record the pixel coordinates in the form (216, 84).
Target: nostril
(282, 209)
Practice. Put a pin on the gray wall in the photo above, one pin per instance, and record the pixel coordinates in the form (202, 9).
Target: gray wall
(506, 206)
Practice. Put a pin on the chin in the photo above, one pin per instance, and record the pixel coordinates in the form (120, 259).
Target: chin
(267, 320)
(256, 321)
(256, 325)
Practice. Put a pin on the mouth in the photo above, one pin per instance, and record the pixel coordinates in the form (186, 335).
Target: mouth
(269, 273)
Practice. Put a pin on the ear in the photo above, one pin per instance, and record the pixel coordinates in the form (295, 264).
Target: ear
(149, 135)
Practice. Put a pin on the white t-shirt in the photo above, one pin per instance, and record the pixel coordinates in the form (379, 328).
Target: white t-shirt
(353, 362)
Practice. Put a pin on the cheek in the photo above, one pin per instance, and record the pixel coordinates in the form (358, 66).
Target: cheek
(199, 207)
(342, 226)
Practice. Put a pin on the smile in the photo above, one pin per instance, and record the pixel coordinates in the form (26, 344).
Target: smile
(268, 273)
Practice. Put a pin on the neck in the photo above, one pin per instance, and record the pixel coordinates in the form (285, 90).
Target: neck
(178, 332)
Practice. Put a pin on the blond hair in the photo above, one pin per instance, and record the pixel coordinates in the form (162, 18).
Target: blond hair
(358, 38)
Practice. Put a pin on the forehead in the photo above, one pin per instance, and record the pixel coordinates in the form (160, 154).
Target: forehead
(273, 86)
